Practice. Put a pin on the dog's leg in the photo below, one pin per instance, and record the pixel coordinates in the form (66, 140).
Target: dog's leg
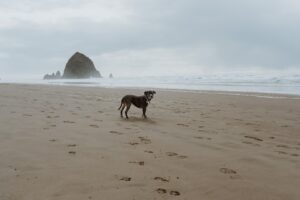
(144, 112)
(127, 108)
(122, 108)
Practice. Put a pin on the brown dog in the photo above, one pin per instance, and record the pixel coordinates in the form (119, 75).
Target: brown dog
(138, 101)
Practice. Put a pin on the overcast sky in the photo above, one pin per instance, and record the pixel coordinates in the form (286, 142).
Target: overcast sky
(150, 37)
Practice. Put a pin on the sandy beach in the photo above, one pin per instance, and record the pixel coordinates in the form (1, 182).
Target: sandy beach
(69, 143)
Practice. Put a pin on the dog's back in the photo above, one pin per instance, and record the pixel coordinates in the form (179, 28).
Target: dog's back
(138, 101)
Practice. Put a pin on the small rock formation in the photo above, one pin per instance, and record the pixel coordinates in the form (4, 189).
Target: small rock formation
(52, 76)
(80, 66)
(111, 76)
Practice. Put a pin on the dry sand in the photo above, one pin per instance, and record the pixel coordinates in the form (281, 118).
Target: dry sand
(69, 143)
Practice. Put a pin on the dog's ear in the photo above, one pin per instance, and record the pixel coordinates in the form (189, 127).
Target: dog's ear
(146, 92)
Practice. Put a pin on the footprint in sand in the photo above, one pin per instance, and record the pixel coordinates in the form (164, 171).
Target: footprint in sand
(141, 163)
(173, 154)
(253, 137)
(164, 191)
(116, 132)
(283, 146)
(182, 157)
(94, 126)
(53, 140)
(174, 193)
(69, 122)
(161, 190)
(145, 140)
(72, 152)
(227, 171)
(72, 145)
(125, 178)
(200, 137)
(281, 152)
(247, 142)
(161, 179)
(184, 125)
(294, 154)
(133, 143)
(27, 115)
(147, 151)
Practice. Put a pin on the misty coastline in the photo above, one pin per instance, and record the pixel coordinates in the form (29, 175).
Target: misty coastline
(289, 85)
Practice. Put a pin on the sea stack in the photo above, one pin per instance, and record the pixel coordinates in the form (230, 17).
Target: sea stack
(80, 66)
(53, 76)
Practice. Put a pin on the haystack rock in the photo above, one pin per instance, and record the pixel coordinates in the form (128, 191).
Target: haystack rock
(80, 66)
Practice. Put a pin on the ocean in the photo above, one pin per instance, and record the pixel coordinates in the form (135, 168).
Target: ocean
(282, 84)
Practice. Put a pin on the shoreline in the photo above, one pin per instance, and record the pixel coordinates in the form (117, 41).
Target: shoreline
(221, 92)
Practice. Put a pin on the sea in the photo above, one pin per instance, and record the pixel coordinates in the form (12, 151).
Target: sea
(270, 84)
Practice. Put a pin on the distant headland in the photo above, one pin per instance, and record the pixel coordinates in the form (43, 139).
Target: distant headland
(79, 66)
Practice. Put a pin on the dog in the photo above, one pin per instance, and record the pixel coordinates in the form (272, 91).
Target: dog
(138, 101)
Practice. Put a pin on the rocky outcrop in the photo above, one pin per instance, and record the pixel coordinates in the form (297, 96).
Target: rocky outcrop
(111, 76)
(80, 66)
(52, 76)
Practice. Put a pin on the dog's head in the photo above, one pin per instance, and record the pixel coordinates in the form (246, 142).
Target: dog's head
(149, 94)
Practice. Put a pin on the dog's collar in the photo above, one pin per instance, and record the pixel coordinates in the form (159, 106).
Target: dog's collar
(147, 100)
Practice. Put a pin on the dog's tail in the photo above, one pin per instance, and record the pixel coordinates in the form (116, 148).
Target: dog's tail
(120, 106)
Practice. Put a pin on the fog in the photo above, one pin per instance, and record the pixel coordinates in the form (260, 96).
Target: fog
(150, 37)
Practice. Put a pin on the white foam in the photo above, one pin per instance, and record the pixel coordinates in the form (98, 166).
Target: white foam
(234, 83)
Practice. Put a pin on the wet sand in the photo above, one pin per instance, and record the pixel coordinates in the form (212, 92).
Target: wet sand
(65, 142)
